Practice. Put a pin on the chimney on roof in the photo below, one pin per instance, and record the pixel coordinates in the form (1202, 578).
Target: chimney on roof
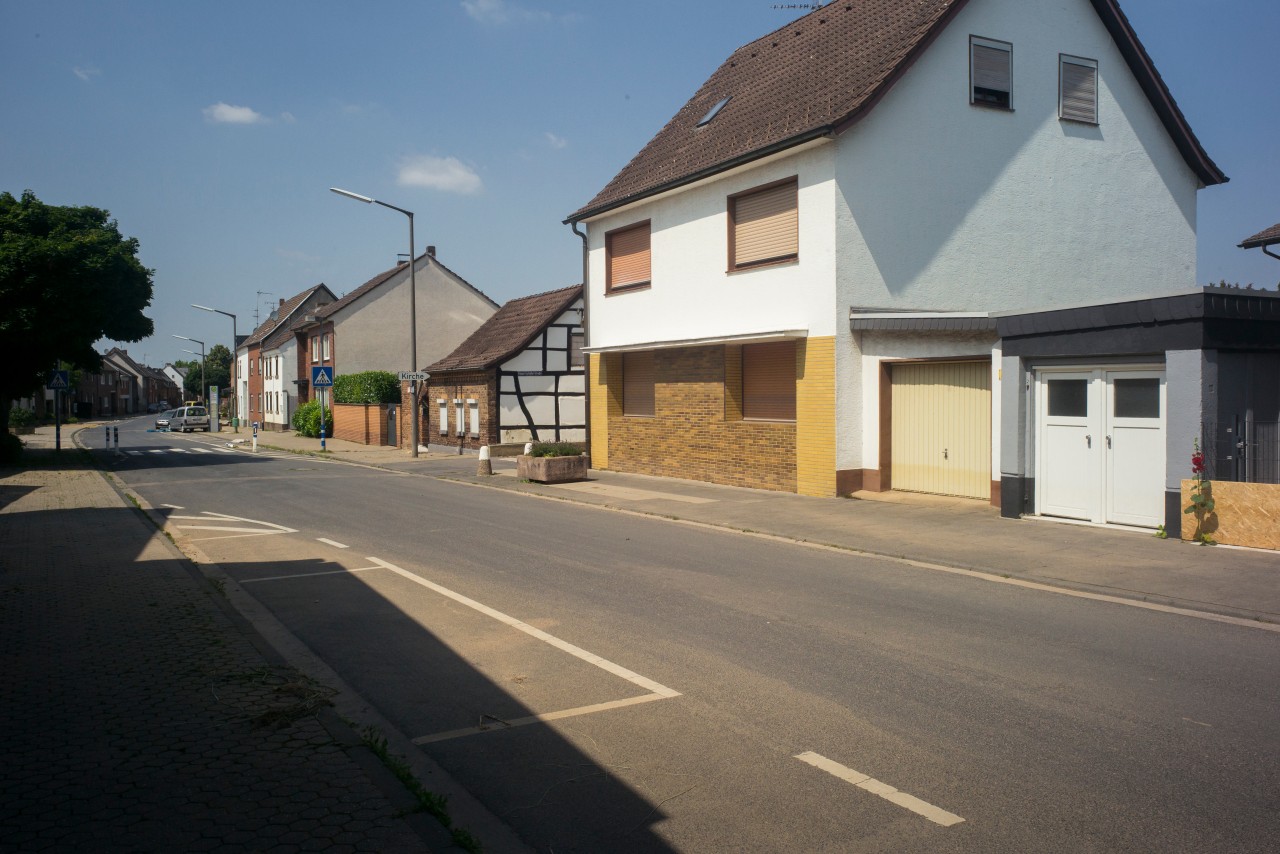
(431, 251)
(282, 300)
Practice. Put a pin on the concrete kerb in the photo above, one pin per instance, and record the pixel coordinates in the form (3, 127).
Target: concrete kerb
(281, 647)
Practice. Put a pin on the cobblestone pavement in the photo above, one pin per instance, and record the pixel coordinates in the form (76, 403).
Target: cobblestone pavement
(138, 715)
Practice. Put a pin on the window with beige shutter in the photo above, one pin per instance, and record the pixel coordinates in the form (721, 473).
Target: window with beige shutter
(627, 258)
(1078, 89)
(764, 226)
(637, 384)
(769, 381)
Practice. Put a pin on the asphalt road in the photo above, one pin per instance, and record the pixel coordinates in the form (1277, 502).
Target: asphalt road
(708, 691)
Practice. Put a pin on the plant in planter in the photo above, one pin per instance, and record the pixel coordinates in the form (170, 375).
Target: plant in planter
(553, 462)
(21, 420)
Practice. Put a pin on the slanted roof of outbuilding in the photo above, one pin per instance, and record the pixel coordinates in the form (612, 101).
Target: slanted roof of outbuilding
(508, 331)
(1266, 237)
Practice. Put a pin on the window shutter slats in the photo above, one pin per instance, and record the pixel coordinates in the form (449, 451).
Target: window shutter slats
(766, 225)
(637, 384)
(1079, 92)
(769, 381)
(990, 68)
(629, 257)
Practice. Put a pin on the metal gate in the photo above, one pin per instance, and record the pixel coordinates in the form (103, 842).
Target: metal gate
(940, 437)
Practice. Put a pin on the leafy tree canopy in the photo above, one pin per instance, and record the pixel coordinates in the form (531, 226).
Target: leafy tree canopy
(217, 371)
(68, 279)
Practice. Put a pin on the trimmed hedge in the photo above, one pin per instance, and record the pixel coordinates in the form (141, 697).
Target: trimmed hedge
(306, 420)
(367, 387)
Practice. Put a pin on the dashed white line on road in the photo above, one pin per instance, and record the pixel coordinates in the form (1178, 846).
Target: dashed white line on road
(538, 719)
(330, 542)
(884, 790)
(173, 506)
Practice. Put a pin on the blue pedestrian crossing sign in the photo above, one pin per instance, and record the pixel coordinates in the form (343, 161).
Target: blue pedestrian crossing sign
(58, 381)
(321, 376)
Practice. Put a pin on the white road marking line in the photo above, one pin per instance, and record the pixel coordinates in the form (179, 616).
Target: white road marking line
(330, 542)
(134, 453)
(537, 719)
(178, 450)
(210, 516)
(309, 574)
(157, 450)
(173, 506)
(884, 790)
(577, 652)
(201, 451)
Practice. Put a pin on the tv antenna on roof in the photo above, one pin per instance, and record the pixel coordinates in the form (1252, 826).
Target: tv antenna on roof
(804, 7)
(257, 306)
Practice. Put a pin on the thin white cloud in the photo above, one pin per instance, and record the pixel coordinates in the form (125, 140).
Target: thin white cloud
(556, 142)
(287, 116)
(228, 114)
(500, 12)
(296, 255)
(448, 174)
(86, 72)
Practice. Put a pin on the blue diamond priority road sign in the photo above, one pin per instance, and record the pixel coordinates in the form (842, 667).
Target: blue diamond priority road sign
(322, 376)
(58, 381)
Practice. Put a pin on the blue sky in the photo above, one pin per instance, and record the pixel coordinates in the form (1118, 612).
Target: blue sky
(212, 131)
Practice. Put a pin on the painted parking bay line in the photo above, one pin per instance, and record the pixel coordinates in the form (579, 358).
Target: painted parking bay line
(259, 529)
(884, 790)
(656, 691)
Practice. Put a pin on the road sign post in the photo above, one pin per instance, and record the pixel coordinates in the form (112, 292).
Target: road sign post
(321, 378)
(58, 382)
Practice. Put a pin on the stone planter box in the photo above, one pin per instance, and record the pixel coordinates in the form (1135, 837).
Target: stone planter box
(552, 469)
(1245, 514)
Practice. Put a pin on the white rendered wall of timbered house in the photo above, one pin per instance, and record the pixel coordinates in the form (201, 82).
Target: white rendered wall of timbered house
(542, 389)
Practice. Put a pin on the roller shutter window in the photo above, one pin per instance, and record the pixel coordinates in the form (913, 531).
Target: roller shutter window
(990, 73)
(764, 226)
(1078, 89)
(628, 258)
(769, 381)
(637, 384)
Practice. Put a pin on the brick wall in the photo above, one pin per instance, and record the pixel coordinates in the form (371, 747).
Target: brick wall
(480, 386)
(816, 416)
(696, 432)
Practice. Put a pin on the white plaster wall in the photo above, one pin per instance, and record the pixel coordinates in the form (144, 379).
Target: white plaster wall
(287, 364)
(692, 295)
(372, 333)
(944, 205)
(525, 360)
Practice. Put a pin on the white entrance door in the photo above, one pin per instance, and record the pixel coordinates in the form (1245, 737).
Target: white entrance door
(1100, 445)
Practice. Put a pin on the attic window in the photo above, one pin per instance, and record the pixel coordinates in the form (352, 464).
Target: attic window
(714, 111)
(990, 73)
(1078, 89)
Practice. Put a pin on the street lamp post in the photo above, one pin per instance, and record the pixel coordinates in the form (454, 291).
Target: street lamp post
(200, 354)
(235, 363)
(413, 309)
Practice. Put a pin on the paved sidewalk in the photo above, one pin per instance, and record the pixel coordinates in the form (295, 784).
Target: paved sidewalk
(140, 714)
(948, 532)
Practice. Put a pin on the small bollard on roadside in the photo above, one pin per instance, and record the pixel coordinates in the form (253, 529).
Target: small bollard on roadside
(108, 442)
(528, 447)
(116, 431)
(486, 466)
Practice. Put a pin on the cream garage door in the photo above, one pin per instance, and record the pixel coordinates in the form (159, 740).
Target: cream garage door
(940, 439)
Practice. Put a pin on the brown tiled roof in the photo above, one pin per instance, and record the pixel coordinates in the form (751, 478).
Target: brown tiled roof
(820, 74)
(508, 331)
(1262, 238)
(279, 319)
(387, 275)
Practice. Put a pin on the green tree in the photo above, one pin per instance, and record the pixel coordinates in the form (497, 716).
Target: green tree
(68, 279)
(217, 371)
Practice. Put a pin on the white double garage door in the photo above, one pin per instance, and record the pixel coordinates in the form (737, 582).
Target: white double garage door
(1100, 444)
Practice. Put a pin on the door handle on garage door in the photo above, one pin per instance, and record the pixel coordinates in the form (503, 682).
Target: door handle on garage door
(1088, 440)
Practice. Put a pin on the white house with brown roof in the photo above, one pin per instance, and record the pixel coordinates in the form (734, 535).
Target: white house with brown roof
(794, 284)
(268, 379)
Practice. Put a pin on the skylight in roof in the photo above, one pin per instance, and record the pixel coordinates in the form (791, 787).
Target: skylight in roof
(714, 111)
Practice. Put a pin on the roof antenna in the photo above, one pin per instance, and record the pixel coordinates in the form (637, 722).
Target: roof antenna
(257, 304)
(804, 7)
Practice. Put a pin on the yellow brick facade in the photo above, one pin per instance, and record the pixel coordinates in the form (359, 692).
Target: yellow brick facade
(816, 416)
(698, 431)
